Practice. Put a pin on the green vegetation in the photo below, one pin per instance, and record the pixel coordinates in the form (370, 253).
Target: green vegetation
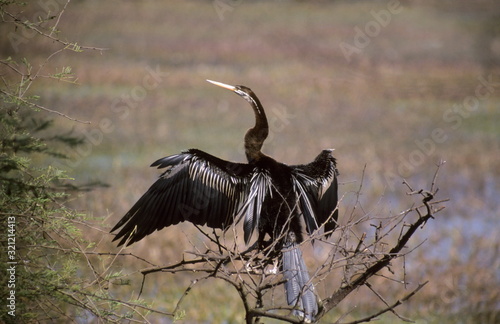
(378, 110)
(49, 272)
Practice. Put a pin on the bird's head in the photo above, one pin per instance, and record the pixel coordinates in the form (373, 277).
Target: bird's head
(242, 91)
(255, 136)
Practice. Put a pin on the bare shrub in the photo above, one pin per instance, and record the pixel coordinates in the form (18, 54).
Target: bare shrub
(366, 251)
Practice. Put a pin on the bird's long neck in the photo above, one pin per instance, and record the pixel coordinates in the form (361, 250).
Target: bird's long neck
(256, 135)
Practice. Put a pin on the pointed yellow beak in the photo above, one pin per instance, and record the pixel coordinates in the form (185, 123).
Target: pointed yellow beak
(223, 85)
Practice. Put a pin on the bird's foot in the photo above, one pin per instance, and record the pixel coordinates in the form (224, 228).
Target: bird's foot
(272, 270)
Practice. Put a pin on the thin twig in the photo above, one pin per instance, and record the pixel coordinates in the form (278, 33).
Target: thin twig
(391, 307)
(20, 22)
(44, 108)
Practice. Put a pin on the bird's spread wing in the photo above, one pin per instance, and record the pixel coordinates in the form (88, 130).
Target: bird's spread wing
(196, 187)
(316, 185)
(260, 187)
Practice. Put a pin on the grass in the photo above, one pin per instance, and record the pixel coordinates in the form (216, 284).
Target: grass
(372, 111)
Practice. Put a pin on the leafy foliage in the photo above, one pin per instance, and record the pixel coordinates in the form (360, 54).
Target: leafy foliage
(32, 207)
(51, 275)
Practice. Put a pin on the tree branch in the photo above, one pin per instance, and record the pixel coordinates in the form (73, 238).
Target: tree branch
(390, 308)
(334, 299)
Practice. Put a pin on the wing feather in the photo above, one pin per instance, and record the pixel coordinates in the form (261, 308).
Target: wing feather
(317, 187)
(195, 187)
(260, 187)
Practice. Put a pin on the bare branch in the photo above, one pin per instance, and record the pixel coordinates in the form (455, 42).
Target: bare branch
(50, 35)
(333, 300)
(391, 307)
(31, 104)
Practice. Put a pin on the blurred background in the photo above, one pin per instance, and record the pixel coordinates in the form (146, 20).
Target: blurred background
(394, 87)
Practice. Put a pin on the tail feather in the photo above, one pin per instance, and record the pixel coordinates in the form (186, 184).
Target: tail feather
(299, 291)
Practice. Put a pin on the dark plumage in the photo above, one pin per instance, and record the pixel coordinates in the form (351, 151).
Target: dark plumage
(270, 197)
